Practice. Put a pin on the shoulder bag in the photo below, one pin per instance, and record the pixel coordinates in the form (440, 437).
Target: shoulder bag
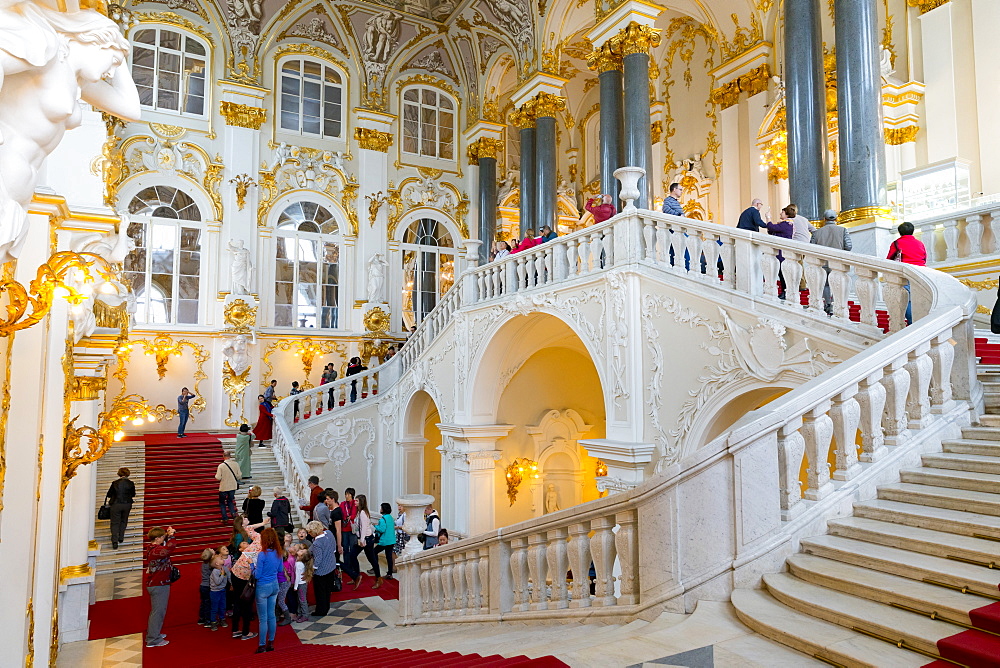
(898, 255)
(235, 477)
(104, 512)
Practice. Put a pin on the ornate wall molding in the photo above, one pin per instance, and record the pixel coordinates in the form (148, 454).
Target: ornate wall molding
(340, 437)
(753, 82)
(373, 140)
(242, 115)
(177, 21)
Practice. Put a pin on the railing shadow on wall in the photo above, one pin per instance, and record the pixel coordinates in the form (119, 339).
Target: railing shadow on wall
(647, 548)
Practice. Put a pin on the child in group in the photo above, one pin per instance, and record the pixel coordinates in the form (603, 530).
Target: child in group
(303, 574)
(227, 561)
(286, 576)
(205, 603)
(303, 538)
(218, 584)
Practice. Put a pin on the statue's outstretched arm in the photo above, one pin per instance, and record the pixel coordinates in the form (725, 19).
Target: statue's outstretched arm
(118, 96)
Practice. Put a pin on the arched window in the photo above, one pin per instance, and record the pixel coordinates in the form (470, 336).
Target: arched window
(306, 268)
(428, 268)
(164, 270)
(428, 123)
(169, 71)
(311, 98)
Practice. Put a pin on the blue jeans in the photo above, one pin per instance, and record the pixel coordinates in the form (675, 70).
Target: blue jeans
(909, 305)
(218, 605)
(227, 502)
(182, 417)
(267, 598)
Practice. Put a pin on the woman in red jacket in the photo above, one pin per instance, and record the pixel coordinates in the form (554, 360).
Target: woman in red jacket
(158, 580)
(265, 419)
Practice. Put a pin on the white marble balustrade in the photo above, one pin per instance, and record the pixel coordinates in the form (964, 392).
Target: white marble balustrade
(968, 233)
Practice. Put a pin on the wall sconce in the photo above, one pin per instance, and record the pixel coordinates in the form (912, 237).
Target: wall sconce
(243, 183)
(131, 409)
(59, 276)
(163, 347)
(517, 471)
(601, 469)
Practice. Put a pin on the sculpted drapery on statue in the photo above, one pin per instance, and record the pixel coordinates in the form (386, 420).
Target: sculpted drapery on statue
(50, 62)
(377, 266)
(242, 268)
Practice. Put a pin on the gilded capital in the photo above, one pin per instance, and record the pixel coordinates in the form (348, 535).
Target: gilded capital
(373, 140)
(525, 116)
(547, 104)
(242, 115)
(604, 59)
(926, 5)
(903, 135)
(484, 147)
(635, 38)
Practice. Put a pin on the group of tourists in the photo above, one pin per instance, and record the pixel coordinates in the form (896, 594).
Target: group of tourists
(502, 249)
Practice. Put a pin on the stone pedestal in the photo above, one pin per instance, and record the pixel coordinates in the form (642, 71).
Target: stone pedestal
(626, 462)
(413, 505)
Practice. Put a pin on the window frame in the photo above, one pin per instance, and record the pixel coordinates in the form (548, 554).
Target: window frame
(296, 236)
(438, 109)
(182, 53)
(280, 95)
(438, 251)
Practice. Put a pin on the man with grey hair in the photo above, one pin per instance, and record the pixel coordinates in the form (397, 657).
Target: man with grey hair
(831, 235)
(751, 219)
(228, 474)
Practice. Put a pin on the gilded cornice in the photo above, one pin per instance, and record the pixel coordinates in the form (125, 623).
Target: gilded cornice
(604, 59)
(548, 105)
(635, 38)
(524, 117)
(373, 140)
(753, 82)
(903, 135)
(242, 115)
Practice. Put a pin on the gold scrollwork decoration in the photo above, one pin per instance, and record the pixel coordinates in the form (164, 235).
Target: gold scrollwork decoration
(348, 200)
(88, 388)
(373, 140)
(605, 58)
(213, 177)
(989, 284)
(517, 471)
(239, 316)
(752, 82)
(242, 115)
(548, 105)
(484, 147)
(305, 348)
(926, 5)
(899, 136)
(51, 280)
(162, 347)
(376, 322)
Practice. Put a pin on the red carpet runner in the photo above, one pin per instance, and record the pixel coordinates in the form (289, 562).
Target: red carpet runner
(309, 656)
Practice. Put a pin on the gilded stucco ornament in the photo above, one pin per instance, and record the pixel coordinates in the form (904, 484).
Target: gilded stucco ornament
(548, 105)
(903, 135)
(239, 316)
(753, 82)
(484, 147)
(375, 202)
(635, 38)
(373, 140)
(242, 115)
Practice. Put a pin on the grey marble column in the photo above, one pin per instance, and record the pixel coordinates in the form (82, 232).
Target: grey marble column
(638, 144)
(528, 180)
(487, 207)
(859, 107)
(612, 130)
(805, 100)
(545, 171)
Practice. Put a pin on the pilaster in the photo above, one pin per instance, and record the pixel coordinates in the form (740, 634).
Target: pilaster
(374, 135)
(472, 458)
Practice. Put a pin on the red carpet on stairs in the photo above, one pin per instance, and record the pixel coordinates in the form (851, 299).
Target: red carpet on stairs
(337, 656)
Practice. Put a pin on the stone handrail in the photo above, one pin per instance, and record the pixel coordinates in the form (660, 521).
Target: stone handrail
(897, 393)
(961, 232)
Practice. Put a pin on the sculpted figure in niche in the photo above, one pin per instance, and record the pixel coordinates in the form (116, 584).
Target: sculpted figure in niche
(242, 267)
(508, 184)
(511, 15)
(237, 355)
(50, 63)
(376, 278)
(551, 499)
(381, 33)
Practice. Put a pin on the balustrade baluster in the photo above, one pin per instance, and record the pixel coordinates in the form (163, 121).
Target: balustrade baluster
(728, 264)
(791, 449)
(866, 288)
(846, 415)
(595, 251)
(995, 229)
(926, 234)
(692, 242)
(519, 572)
(556, 560)
(918, 402)
(602, 550)
(458, 573)
(424, 584)
(710, 250)
(817, 429)
(769, 267)
(974, 232)
(609, 246)
(520, 272)
(896, 298)
(677, 246)
(951, 239)
(897, 386)
(571, 256)
(839, 286)
(627, 546)
(483, 573)
(484, 292)
(871, 400)
(472, 582)
(791, 271)
(662, 255)
(447, 588)
(815, 281)
(942, 355)
(579, 563)
(436, 590)
(648, 238)
(537, 570)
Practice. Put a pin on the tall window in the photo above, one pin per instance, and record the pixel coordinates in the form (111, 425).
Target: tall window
(307, 268)
(169, 71)
(428, 268)
(311, 98)
(165, 267)
(428, 123)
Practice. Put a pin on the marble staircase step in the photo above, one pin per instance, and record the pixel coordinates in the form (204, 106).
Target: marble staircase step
(885, 588)
(987, 420)
(959, 462)
(916, 539)
(815, 637)
(853, 612)
(929, 517)
(970, 446)
(982, 433)
(942, 497)
(967, 480)
(904, 563)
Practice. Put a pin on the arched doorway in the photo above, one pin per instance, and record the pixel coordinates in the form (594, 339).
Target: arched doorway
(421, 459)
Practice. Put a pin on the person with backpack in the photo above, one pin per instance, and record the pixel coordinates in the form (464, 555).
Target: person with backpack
(281, 511)
(119, 500)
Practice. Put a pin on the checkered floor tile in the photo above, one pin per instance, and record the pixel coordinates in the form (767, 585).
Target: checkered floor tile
(344, 617)
(114, 586)
(123, 651)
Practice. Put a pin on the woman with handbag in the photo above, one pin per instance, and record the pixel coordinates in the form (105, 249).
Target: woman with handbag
(160, 574)
(119, 500)
(367, 540)
(244, 588)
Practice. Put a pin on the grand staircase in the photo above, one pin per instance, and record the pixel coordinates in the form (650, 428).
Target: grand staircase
(911, 576)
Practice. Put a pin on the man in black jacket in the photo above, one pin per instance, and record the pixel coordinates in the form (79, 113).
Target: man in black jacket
(119, 499)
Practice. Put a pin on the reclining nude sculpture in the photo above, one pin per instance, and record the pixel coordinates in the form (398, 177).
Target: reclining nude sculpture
(51, 63)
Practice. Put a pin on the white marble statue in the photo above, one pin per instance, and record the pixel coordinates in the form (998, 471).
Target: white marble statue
(377, 266)
(50, 63)
(564, 188)
(885, 64)
(242, 268)
(508, 184)
(551, 499)
(282, 153)
(337, 160)
(246, 9)
(237, 354)
(112, 247)
(381, 34)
